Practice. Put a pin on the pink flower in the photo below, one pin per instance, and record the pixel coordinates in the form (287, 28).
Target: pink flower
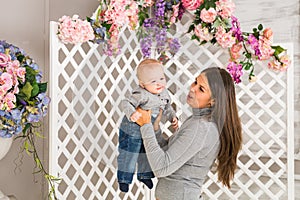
(175, 13)
(74, 30)
(21, 71)
(235, 51)
(224, 39)
(191, 4)
(9, 101)
(4, 60)
(265, 49)
(225, 8)
(268, 33)
(281, 65)
(6, 81)
(209, 15)
(132, 14)
(203, 33)
(147, 3)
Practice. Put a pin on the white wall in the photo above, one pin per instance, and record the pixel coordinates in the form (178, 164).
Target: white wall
(25, 23)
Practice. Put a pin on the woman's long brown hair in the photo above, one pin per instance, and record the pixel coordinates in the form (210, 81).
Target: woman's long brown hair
(225, 114)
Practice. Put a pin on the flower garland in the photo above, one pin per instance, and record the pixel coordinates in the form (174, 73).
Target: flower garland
(213, 22)
(23, 102)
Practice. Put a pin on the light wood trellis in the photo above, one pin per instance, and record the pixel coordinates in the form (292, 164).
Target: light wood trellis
(87, 87)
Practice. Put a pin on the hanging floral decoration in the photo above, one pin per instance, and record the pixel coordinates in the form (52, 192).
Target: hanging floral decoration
(213, 22)
(23, 102)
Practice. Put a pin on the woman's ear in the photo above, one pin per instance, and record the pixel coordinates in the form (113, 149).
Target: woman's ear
(212, 102)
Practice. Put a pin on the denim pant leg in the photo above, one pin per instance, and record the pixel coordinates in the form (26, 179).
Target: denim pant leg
(129, 148)
(144, 169)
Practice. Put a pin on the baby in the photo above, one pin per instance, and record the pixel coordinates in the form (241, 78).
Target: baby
(151, 94)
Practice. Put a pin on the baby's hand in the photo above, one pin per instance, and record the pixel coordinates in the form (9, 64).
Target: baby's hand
(157, 120)
(135, 116)
(175, 123)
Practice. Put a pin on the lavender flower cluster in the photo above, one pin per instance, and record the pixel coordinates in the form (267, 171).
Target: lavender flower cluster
(154, 31)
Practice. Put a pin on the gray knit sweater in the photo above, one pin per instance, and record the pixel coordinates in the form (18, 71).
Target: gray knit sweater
(182, 168)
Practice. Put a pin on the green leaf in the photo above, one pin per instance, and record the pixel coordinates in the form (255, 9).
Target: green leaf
(35, 90)
(88, 19)
(191, 28)
(278, 50)
(248, 55)
(26, 90)
(203, 42)
(260, 27)
(247, 65)
(30, 74)
(194, 37)
(42, 87)
(216, 23)
(20, 58)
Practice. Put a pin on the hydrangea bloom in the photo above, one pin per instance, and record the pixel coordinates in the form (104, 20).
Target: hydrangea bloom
(74, 30)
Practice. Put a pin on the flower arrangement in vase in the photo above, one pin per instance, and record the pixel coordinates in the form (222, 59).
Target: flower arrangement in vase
(23, 102)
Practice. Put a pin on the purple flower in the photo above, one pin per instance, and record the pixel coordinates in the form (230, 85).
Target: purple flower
(146, 44)
(161, 39)
(33, 117)
(236, 29)
(174, 45)
(254, 44)
(236, 71)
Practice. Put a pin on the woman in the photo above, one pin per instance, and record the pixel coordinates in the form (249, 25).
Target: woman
(213, 132)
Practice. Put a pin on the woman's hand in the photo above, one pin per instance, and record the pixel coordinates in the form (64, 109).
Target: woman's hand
(145, 117)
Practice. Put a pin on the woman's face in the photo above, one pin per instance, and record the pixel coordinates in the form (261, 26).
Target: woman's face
(199, 95)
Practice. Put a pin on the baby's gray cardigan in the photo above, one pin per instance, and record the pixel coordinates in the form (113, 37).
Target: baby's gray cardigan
(182, 168)
(147, 101)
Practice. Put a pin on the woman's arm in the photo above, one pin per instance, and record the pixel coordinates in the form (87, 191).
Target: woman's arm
(190, 139)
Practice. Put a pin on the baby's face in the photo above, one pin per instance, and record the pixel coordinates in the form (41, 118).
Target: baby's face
(154, 79)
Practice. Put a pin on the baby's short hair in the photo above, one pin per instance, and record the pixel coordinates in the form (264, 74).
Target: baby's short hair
(143, 65)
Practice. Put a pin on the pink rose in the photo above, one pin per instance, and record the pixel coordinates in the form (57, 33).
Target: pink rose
(266, 51)
(6, 80)
(4, 59)
(203, 33)
(191, 4)
(285, 62)
(209, 15)
(235, 51)
(9, 100)
(268, 33)
(175, 13)
(225, 40)
(225, 8)
(281, 65)
(21, 71)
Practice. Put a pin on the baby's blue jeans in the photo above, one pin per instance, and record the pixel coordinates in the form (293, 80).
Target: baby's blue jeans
(132, 153)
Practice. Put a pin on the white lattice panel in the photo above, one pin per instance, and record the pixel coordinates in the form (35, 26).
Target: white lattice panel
(86, 90)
